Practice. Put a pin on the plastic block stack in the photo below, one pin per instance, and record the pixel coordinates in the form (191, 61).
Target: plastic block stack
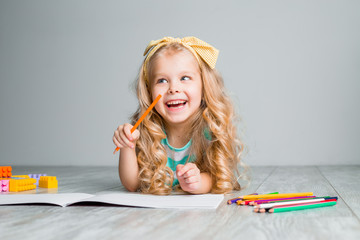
(5, 171)
(4, 185)
(48, 182)
(18, 185)
(37, 177)
(20, 176)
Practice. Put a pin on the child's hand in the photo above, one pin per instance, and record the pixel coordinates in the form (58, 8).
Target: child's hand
(189, 177)
(123, 137)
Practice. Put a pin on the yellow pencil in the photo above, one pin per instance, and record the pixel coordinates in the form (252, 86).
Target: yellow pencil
(142, 117)
(280, 195)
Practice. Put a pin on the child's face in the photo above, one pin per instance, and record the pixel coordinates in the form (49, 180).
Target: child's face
(176, 76)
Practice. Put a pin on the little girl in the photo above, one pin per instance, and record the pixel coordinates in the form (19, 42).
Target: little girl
(189, 139)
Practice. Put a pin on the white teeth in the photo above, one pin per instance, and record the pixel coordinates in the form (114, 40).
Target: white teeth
(175, 102)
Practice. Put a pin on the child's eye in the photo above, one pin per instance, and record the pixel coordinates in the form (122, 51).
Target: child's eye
(162, 80)
(185, 78)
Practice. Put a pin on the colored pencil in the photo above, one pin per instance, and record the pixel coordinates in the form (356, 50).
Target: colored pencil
(280, 195)
(301, 204)
(302, 207)
(262, 210)
(239, 200)
(255, 202)
(233, 200)
(246, 202)
(294, 199)
(271, 205)
(142, 117)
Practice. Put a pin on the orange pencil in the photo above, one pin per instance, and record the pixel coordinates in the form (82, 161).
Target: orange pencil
(280, 195)
(142, 117)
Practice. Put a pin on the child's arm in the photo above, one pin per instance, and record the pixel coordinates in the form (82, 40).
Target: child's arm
(129, 169)
(128, 166)
(191, 180)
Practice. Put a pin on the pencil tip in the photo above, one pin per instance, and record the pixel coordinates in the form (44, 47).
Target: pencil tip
(116, 149)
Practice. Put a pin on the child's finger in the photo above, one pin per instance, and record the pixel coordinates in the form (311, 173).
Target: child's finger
(192, 179)
(191, 172)
(125, 140)
(117, 135)
(127, 131)
(186, 168)
(178, 168)
(136, 134)
(117, 143)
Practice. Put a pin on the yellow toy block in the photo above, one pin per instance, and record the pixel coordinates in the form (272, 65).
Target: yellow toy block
(48, 182)
(20, 176)
(18, 185)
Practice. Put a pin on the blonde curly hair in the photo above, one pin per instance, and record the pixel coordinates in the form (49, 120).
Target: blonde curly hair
(219, 156)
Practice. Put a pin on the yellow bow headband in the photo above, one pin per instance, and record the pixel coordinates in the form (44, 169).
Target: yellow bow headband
(198, 47)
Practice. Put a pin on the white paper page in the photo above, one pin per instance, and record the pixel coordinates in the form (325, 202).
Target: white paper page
(204, 201)
(61, 199)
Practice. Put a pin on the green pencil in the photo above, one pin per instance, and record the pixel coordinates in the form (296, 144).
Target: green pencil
(315, 205)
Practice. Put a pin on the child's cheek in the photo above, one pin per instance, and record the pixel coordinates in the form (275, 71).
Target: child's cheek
(157, 108)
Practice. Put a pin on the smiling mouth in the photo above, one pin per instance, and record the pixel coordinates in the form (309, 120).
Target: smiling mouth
(176, 104)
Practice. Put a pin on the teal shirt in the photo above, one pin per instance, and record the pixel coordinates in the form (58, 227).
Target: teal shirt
(178, 156)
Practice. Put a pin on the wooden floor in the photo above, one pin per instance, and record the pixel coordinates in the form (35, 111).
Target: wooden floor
(226, 222)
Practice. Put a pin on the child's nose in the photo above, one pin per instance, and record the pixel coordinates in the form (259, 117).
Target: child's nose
(174, 88)
(172, 91)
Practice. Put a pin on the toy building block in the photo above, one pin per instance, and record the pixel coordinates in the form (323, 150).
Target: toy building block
(18, 185)
(20, 176)
(48, 182)
(5, 171)
(37, 177)
(4, 185)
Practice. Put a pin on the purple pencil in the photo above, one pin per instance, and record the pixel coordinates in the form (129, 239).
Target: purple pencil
(231, 201)
(280, 199)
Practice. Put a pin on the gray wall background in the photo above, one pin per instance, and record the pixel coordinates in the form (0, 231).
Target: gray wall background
(292, 67)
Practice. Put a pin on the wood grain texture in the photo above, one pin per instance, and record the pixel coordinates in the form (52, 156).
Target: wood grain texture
(226, 222)
(346, 181)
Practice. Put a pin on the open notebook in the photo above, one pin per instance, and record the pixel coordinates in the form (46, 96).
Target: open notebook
(204, 201)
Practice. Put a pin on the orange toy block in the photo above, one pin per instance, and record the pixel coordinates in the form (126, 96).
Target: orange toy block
(18, 185)
(48, 182)
(5, 171)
